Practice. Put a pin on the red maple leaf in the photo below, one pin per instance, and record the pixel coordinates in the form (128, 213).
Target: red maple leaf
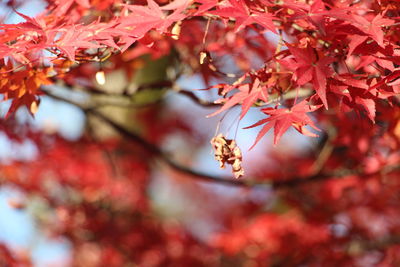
(310, 67)
(143, 18)
(316, 13)
(282, 119)
(72, 38)
(374, 28)
(238, 10)
(248, 94)
(371, 29)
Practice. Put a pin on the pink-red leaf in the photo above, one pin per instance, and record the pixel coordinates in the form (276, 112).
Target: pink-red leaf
(282, 119)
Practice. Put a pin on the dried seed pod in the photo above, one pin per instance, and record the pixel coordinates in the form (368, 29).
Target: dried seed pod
(227, 151)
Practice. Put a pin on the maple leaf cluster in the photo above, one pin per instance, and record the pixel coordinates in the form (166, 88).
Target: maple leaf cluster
(347, 75)
(327, 68)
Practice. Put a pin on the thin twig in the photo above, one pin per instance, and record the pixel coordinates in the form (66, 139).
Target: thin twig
(278, 49)
(198, 100)
(325, 152)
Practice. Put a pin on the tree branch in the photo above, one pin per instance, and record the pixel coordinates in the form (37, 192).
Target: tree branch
(243, 182)
(93, 90)
(96, 91)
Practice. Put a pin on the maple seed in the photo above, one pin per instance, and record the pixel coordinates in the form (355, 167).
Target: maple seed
(226, 151)
(100, 77)
(203, 56)
(34, 107)
(176, 30)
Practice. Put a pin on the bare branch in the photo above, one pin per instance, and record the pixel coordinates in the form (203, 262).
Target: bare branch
(198, 100)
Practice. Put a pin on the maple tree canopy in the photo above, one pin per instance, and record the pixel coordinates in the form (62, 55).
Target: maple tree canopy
(120, 196)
